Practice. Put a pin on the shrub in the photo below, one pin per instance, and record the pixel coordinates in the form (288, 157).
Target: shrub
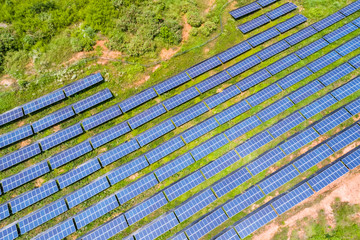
(194, 19)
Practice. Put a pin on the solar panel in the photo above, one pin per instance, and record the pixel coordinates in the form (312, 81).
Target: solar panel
(223, 96)
(9, 232)
(16, 135)
(299, 140)
(291, 23)
(155, 132)
(4, 211)
(242, 127)
(42, 215)
(336, 74)
(278, 178)
(11, 115)
(263, 37)
(231, 112)
(92, 101)
(136, 188)
(245, 10)
(59, 231)
(332, 121)
(352, 159)
(199, 130)
(311, 48)
(189, 114)
(181, 98)
(33, 196)
(357, 22)
(209, 146)
(286, 124)
(172, 83)
(194, 204)
(255, 220)
(180, 236)
(265, 160)
(283, 63)
(174, 166)
(327, 175)
(344, 138)
(78, 173)
(110, 134)
(43, 102)
(206, 224)
(254, 143)
(349, 46)
(60, 136)
(182, 186)
(231, 181)
(234, 51)
(292, 198)
(354, 107)
(275, 109)
(264, 94)
(351, 8)
(355, 61)
(340, 32)
(127, 169)
(82, 84)
(294, 77)
(253, 79)
(203, 67)
(347, 89)
(213, 81)
(253, 24)
(301, 35)
(53, 119)
(313, 157)
(108, 229)
(265, 3)
(118, 152)
(101, 117)
(280, 11)
(243, 65)
(145, 208)
(306, 91)
(229, 235)
(95, 211)
(272, 50)
(24, 176)
(220, 164)
(86, 192)
(146, 116)
(164, 149)
(137, 100)
(328, 21)
(318, 106)
(19, 156)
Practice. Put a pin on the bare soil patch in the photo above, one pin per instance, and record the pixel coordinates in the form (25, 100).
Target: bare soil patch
(186, 29)
(7, 81)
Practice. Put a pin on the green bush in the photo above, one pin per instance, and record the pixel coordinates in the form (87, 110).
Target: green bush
(194, 19)
(208, 28)
(83, 38)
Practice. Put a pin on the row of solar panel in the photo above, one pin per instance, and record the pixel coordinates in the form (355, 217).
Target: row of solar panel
(50, 98)
(250, 8)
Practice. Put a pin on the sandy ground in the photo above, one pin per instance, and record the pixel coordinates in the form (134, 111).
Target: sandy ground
(7, 81)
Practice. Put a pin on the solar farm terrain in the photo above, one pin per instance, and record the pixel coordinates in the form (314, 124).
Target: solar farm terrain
(243, 137)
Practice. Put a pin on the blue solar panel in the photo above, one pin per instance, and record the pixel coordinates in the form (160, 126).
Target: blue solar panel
(127, 169)
(351, 8)
(243, 65)
(318, 106)
(340, 32)
(291, 23)
(164, 149)
(328, 21)
(253, 24)
(174, 166)
(16, 135)
(25, 176)
(220, 164)
(155, 132)
(265, 160)
(352, 159)
(59, 231)
(299, 140)
(189, 114)
(9, 232)
(292, 198)
(264, 94)
(19, 156)
(209, 146)
(231, 181)
(60, 136)
(213, 81)
(355, 61)
(171, 83)
(146, 116)
(301, 35)
(354, 107)
(82, 84)
(347, 89)
(234, 51)
(206, 224)
(181, 98)
(92, 101)
(4, 211)
(53, 119)
(136, 188)
(263, 37)
(194, 204)
(357, 22)
(344, 138)
(283, 63)
(199, 130)
(11, 115)
(184, 185)
(242, 127)
(349, 46)
(245, 10)
(101, 117)
(232, 112)
(280, 11)
(42, 215)
(311, 48)
(332, 121)
(78, 173)
(228, 235)
(336, 74)
(255, 220)
(275, 109)
(272, 50)
(203, 67)
(286, 124)
(110, 134)
(137, 99)
(327, 175)
(43, 101)
(254, 143)
(119, 152)
(95, 211)
(306, 91)
(310, 159)
(265, 3)
(253, 79)
(294, 77)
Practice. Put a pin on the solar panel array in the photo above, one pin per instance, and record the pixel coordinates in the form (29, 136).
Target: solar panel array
(280, 11)
(92, 101)
(243, 11)
(253, 24)
(16, 135)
